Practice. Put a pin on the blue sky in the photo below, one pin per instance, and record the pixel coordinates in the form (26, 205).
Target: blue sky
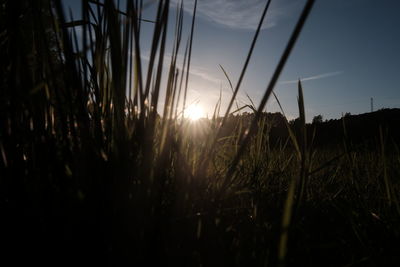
(346, 53)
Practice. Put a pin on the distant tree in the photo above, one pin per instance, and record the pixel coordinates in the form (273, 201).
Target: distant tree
(347, 114)
(317, 119)
(294, 121)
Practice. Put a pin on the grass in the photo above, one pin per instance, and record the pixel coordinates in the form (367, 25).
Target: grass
(91, 174)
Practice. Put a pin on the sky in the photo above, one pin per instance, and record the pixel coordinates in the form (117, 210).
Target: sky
(345, 55)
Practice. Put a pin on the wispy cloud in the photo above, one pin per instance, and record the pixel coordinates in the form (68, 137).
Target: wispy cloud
(202, 73)
(315, 77)
(239, 14)
(198, 71)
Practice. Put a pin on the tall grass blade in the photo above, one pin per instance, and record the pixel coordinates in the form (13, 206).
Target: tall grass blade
(268, 92)
(189, 58)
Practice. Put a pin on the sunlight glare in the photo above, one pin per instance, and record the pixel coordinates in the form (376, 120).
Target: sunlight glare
(194, 112)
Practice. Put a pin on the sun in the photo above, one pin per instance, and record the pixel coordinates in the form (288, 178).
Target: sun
(194, 112)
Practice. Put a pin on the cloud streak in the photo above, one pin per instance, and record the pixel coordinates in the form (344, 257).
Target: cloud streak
(198, 71)
(315, 77)
(239, 14)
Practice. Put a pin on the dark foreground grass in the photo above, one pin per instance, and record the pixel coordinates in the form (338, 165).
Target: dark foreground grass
(92, 175)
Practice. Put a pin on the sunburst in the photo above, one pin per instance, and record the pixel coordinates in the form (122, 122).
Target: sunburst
(194, 112)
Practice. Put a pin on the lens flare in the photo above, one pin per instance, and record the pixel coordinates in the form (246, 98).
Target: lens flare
(194, 112)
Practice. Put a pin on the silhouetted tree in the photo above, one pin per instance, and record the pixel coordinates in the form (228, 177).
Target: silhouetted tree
(317, 119)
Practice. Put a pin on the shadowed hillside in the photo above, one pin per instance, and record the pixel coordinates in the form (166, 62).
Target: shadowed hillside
(358, 130)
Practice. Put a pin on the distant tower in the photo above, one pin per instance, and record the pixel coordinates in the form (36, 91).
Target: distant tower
(372, 104)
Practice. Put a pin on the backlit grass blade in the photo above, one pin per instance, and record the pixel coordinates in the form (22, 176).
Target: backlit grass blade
(189, 59)
(269, 90)
(235, 92)
(292, 135)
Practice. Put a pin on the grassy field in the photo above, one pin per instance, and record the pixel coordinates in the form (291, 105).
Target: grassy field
(94, 173)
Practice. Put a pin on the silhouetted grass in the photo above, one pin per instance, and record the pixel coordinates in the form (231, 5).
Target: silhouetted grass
(91, 174)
